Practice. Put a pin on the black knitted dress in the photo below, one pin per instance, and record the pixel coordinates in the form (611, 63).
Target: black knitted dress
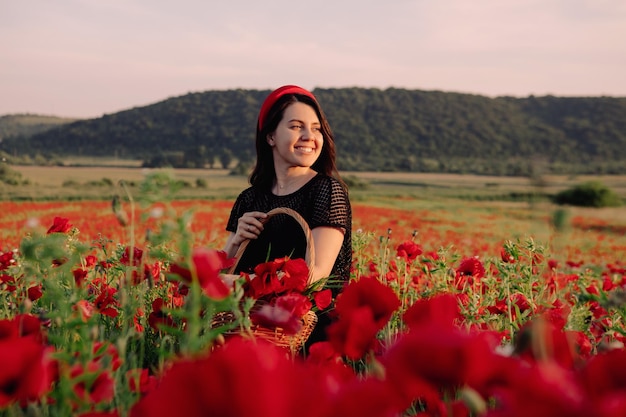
(321, 202)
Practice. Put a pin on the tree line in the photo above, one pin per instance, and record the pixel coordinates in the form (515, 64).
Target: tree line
(375, 130)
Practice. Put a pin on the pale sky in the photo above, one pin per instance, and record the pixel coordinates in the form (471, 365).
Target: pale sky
(85, 58)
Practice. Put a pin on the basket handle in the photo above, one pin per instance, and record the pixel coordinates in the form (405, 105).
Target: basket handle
(309, 257)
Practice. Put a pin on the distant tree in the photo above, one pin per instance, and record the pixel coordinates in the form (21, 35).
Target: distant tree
(226, 157)
(588, 194)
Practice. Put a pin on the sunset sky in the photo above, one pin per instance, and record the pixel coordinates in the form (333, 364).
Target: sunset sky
(85, 58)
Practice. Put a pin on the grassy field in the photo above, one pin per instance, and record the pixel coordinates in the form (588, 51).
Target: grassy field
(505, 199)
(88, 182)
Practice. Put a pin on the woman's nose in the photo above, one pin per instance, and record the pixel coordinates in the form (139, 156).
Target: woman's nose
(308, 133)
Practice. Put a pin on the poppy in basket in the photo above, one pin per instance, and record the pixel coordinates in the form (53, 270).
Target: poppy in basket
(279, 289)
(271, 279)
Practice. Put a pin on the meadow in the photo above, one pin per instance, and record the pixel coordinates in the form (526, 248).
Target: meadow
(443, 209)
(464, 289)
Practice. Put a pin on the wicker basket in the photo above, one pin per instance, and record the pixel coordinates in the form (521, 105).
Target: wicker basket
(276, 335)
(309, 256)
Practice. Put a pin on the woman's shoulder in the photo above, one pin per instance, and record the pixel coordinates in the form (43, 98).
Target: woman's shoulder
(250, 199)
(326, 181)
(329, 184)
(249, 193)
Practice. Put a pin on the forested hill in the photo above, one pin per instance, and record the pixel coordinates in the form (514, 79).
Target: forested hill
(28, 124)
(392, 130)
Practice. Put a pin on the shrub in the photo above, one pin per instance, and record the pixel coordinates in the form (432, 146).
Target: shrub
(355, 183)
(9, 176)
(201, 183)
(70, 183)
(588, 194)
(241, 169)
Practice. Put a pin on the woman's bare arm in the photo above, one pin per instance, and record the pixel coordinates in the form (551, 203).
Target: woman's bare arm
(327, 242)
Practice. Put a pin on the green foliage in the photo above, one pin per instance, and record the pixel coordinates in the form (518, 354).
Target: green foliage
(10, 177)
(588, 194)
(201, 183)
(560, 220)
(375, 130)
(355, 183)
(241, 169)
(25, 125)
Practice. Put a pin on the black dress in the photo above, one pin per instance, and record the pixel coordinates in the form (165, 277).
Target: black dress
(321, 202)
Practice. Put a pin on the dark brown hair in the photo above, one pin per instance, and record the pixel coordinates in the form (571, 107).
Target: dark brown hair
(263, 175)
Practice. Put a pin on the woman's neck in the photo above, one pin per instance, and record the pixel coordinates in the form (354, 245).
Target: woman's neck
(290, 182)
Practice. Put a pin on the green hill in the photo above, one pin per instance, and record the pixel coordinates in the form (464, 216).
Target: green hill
(376, 130)
(13, 125)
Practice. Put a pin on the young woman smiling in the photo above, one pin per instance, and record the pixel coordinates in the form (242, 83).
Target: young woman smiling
(295, 168)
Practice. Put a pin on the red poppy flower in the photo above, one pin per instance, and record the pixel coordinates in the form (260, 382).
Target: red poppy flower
(296, 274)
(102, 350)
(21, 325)
(557, 344)
(137, 321)
(6, 260)
(431, 358)
(94, 384)
(26, 370)
(371, 293)
(506, 256)
(7, 282)
(208, 264)
(158, 319)
(106, 302)
(409, 250)
(79, 276)
(90, 260)
(296, 303)
(322, 353)
(85, 309)
(152, 272)
(608, 284)
(272, 316)
(35, 292)
(135, 258)
(140, 381)
(553, 264)
(278, 277)
(469, 271)
(60, 225)
(354, 333)
(243, 378)
(544, 390)
(363, 308)
(369, 397)
(442, 310)
(517, 299)
(604, 379)
(323, 298)
(557, 314)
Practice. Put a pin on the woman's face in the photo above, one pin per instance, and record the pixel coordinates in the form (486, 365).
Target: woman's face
(297, 140)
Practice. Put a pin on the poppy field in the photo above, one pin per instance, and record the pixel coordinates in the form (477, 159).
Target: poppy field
(107, 309)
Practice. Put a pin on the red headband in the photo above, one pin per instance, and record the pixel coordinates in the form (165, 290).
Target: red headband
(275, 95)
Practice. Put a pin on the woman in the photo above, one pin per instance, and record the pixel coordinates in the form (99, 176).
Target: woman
(295, 168)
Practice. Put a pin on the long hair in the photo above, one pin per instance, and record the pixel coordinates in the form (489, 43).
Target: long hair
(263, 175)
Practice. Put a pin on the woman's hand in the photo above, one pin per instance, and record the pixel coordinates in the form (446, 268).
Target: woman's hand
(249, 226)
